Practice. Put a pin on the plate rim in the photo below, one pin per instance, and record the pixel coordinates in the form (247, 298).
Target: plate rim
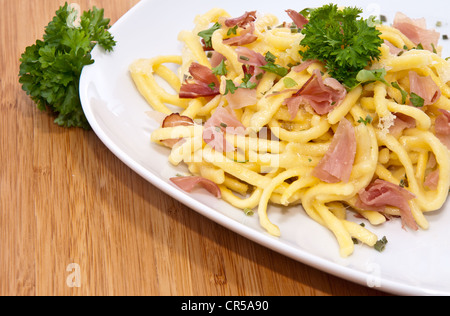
(300, 255)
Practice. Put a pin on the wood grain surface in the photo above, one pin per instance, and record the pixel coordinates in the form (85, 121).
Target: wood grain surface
(74, 220)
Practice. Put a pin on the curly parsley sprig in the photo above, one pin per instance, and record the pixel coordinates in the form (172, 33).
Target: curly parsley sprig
(342, 40)
(50, 69)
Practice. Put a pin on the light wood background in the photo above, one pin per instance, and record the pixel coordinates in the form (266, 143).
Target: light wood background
(65, 199)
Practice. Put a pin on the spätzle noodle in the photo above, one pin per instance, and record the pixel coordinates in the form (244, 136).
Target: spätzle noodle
(277, 155)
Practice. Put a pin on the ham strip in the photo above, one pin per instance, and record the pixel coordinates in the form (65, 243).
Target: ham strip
(323, 95)
(401, 123)
(222, 121)
(246, 36)
(381, 193)
(337, 164)
(442, 127)
(188, 184)
(443, 122)
(252, 61)
(416, 30)
(216, 59)
(432, 180)
(445, 139)
(174, 120)
(304, 65)
(241, 21)
(241, 98)
(250, 57)
(394, 50)
(203, 84)
(425, 87)
(299, 20)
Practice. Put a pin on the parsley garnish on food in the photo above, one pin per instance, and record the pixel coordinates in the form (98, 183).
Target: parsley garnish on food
(221, 69)
(289, 82)
(342, 40)
(232, 30)
(272, 67)
(50, 70)
(230, 87)
(246, 83)
(416, 100)
(403, 92)
(365, 121)
(207, 34)
(367, 76)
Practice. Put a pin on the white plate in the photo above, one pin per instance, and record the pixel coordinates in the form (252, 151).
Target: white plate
(414, 263)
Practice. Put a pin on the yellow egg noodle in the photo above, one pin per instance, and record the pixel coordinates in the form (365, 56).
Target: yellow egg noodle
(278, 170)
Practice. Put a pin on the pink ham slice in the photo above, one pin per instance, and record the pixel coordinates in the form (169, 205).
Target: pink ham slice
(443, 122)
(203, 84)
(416, 30)
(188, 184)
(337, 164)
(241, 98)
(394, 50)
(381, 193)
(216, 59)
(442, 127)
(401, 123)
(299, 20)
(221, 121)
(252, 61)
(250, 57)
(323, 95)
(246, 36)
(174, 120)
(432, 180)
(425, 87)
(243, 20)
(304, 65)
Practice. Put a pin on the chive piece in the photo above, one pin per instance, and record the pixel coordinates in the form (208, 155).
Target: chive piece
(248, 212)
(365, 121)
(434, 48)
(232, 30)
(380, 245)
(403, 182)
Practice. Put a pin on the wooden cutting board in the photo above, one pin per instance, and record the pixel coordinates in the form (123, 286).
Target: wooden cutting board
(74, 220)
